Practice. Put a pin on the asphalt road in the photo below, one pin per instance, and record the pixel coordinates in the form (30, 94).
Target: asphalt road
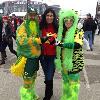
(90, 78)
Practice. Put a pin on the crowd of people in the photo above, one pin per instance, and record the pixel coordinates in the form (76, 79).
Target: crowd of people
(8, 27)
(57, 44)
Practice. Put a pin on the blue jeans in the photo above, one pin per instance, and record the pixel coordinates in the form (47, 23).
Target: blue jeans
(48, 66)
(88, 37)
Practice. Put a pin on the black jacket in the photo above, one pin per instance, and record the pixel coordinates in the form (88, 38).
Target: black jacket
(1, 30)
(89, 25)
(8, 30)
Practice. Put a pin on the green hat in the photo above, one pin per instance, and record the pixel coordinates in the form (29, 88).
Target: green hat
(31, 10)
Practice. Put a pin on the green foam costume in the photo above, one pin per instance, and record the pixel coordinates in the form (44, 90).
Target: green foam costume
(27, 92)
(70, 81)
(69, 38)
(28, 45)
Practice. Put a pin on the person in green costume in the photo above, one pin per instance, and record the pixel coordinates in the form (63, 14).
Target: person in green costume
(69, 58)
(28, 46)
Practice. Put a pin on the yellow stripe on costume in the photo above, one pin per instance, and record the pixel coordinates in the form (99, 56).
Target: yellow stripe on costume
(79, 38)
(34, 51)
(21, 31)
(33, 28)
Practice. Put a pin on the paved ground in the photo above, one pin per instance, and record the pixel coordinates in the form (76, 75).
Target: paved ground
(90, 78)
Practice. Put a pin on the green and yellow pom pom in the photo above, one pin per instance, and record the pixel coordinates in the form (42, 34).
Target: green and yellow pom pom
(18, 68)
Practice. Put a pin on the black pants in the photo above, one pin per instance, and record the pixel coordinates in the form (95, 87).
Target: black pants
(0, 37)
(8, 42)
(14, 35)
(3, 56)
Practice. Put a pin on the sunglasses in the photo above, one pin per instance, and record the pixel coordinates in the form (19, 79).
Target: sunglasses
(69, 19)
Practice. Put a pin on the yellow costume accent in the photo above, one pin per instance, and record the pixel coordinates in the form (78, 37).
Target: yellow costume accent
(33, 29)
(38, 40)
(78, 38)
(18, 68)
(30, 41)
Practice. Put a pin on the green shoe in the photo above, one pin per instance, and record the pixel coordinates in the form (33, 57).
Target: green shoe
(26, 94)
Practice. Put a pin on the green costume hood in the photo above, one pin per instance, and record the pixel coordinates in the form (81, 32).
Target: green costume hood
(69, 38)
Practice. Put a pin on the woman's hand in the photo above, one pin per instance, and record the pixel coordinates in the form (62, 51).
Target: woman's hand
(57, 42)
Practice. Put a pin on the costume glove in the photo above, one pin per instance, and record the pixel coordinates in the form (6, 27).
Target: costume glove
(66, 45)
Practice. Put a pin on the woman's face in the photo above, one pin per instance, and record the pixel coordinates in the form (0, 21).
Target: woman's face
(49, 17)
(68, 23)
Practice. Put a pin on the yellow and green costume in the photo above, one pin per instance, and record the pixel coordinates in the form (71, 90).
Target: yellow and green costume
(69, 58)
(28, 50)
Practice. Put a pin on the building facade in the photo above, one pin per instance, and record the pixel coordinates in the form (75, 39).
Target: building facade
(8, 7)
(98, 10)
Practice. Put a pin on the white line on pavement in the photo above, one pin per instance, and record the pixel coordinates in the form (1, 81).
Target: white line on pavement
(86, 78)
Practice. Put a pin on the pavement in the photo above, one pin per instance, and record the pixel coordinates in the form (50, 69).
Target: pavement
(90, 78)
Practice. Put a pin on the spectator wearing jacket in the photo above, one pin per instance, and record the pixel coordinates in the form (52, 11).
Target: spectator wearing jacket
(7, 38)
(14, 23)
(94, 30)
(3, 53)
(88, 27)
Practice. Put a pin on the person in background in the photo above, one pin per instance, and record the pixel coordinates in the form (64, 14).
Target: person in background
(6, 38)
(1, 28)
(88, 28)
(3, 53)
(20, 21)
(94, 29)
(69, 59)
(48, 25)
(14, 24)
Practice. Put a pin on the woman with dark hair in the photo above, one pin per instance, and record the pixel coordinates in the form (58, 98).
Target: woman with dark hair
(48, 25)
(69, 59)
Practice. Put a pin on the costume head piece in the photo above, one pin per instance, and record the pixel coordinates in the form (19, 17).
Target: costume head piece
(69, 37)
(69, 18)
(31, 10)
(32, 13)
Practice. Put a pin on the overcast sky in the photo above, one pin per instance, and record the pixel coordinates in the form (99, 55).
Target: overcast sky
(85, 6)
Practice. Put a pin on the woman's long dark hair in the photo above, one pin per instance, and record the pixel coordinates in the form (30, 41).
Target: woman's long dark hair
(64, 29)
(44, 24)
